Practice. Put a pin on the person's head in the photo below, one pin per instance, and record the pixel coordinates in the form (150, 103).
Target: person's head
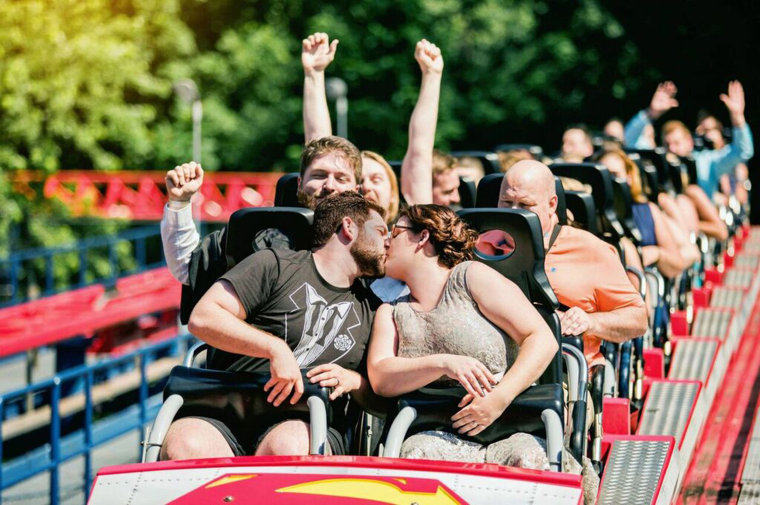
(329, 165)
(424, 232)
(445, 179)
(509, 158)
(356, 223)
(615, 129)
(470, 167)
(379, 183)
(529, 185)
(677, 138)
(576, 144)
(623, 167)
(712, 130)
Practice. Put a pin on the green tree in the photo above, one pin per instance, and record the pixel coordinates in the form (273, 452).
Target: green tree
(83, 84)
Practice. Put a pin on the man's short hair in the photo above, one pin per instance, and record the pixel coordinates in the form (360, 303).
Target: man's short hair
(582, 127)
(442, 162)
(329, 214)
(325, 145)
(672, 126)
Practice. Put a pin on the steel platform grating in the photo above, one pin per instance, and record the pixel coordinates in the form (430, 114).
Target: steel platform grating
(711, 323)
(667, 409)
(728, 298)
(738, 278)
(647, 457)
(747, 261)
(692, 359)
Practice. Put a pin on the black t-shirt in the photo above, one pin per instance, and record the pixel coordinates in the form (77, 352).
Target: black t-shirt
(283, 294)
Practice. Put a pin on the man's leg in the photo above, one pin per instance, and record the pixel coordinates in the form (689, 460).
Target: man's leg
(288, 438)
(192, 438)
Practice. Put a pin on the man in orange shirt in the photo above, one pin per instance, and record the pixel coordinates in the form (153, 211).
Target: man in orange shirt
(585, 273)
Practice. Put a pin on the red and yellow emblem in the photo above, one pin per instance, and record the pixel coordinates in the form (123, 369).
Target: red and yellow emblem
(282, 489)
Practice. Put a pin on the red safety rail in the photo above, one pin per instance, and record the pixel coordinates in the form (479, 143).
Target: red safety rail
(87, 312)
(142, 195)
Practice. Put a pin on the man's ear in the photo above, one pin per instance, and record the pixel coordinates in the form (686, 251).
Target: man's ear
(553, 204)
(348, 228)
(299, 182)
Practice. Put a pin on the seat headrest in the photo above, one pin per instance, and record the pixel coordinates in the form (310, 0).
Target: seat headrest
(525, 264)
(286, 191)
(255, 228)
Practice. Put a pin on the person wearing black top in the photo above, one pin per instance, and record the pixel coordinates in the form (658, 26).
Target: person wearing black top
(289, 311)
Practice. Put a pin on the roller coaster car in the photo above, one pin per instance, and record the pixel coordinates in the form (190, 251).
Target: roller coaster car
(317, 479)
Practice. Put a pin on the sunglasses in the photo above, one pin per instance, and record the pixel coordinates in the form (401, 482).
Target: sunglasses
(398, 228)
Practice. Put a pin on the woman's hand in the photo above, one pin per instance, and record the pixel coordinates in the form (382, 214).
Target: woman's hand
(335, 376)
(473, 375)
(479, 413)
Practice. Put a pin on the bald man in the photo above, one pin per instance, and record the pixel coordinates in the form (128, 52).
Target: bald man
(585, 273)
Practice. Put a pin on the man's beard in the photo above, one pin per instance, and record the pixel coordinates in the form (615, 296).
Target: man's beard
(371, 263)
(311, 201)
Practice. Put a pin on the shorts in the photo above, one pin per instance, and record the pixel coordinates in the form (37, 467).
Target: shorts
(243, 438)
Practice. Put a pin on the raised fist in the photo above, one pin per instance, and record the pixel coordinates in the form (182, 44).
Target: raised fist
(184, 181)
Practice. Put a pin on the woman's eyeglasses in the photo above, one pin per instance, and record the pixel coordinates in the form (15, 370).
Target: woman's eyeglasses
(398, 228)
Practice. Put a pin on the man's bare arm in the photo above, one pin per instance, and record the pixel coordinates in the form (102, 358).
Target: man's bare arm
(316, 54)
(219, 320)
(417, 167)
(619, 325)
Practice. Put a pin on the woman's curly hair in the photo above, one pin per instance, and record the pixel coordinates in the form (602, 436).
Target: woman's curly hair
(452, 238)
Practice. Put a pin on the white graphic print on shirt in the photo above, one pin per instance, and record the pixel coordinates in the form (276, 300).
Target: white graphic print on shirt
(323, 327)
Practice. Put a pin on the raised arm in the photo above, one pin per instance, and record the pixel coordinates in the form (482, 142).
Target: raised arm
(393, 375)
(417, 167)
(741, 148)
(662, 101)
(316, 54)
(178, 233)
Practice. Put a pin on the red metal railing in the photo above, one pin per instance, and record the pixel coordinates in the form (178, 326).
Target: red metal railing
(142, 195)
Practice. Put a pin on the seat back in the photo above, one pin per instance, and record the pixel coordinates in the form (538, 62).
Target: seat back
(623, 204)
(535, 150)
(467, 192)
(524, 265)
(489, 188)
(581, 205)
(286, 191)
(487, 195)
(655, 157)
(489, 159)
(256, 228)
(598, 177)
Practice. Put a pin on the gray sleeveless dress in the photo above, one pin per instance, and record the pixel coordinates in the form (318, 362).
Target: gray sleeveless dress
(456, 326)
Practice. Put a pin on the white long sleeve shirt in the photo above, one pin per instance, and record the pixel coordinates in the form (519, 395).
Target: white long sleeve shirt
(180, 238)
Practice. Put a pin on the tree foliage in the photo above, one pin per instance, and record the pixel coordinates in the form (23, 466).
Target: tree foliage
(88, 83)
